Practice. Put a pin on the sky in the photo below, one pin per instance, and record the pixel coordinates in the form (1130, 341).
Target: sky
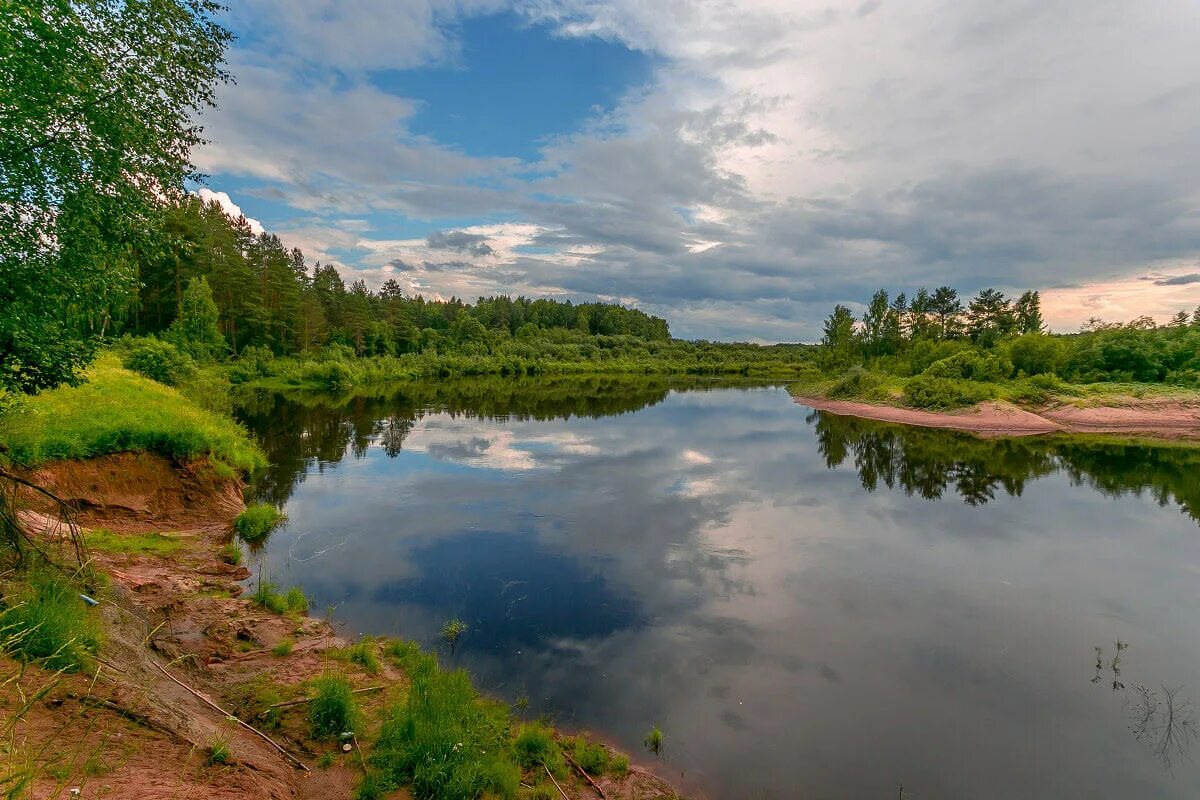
(735, 166)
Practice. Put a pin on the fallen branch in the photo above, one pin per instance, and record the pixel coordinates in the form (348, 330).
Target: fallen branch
(303, 700)
(245, 725)
(583, 772)
(556, 786)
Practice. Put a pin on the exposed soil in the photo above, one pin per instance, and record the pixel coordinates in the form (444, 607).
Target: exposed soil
(129, 730)
(1165, 418)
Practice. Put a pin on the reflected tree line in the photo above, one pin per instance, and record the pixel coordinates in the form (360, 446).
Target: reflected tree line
(931, 463)
(300, 430)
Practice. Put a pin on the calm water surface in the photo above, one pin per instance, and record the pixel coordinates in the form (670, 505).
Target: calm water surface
(808, 606)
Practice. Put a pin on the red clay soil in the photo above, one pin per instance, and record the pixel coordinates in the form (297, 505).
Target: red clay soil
(1168, 419)
(129, 730)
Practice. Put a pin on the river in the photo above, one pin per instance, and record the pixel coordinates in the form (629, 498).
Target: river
(807, 606)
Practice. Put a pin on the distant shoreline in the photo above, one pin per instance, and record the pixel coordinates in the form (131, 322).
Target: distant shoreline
(1164, 418)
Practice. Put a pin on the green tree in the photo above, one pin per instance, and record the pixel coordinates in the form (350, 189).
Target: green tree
(989, 317)
(840, 339)
(1028, 312)
(97, 107)
(875, 323)
(196, 330)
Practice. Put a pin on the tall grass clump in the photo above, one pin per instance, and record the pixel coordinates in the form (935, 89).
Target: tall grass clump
(924, 391)
(444, 740)
(858, 384)
(47, 621)
(257, 521)
(333, 709)
(117, 411)
(268, 596)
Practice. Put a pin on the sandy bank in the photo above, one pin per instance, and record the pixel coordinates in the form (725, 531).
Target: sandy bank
(1160, 418)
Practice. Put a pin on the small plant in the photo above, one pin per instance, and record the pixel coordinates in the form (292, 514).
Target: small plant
(654, 741)
(332, 710)
(326, 761)
(218, 752)
(365, 654)
(535, 747)
(592, 758)
(284, 648)
(292, 601)
(257, 521)
(48, 622)
(231, 553)
(619, 765)
(453, 630)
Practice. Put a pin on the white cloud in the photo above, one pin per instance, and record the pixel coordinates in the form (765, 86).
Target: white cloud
(231, 209)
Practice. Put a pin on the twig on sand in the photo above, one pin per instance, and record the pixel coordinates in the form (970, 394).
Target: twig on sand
(300, 764)
(586, 777)
(556, 786)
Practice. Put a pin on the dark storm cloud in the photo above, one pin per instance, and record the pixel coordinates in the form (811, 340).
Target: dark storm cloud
(1179, 280)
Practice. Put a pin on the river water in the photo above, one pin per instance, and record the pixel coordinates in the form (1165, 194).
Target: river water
(807, 606)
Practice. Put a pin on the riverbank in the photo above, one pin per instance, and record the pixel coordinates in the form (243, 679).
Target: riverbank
(184, 653)
(1159, 417)
(180, 686)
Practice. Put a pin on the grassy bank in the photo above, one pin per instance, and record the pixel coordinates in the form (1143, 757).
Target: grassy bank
(116, 410)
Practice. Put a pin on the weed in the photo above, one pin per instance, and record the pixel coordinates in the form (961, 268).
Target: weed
(592, 758)
(292, 601)
(50, 623)
(155, 544)
(364, 653)
(231, 553)
(453, 630)
(535, 747)
(257, 521)
(326, 760)
(619, 765)
(332, 710)
(218, 752)
(654, 740)
(283, 648)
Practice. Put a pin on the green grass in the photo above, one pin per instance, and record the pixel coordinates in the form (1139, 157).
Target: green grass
(257, 521)
(46, 621)
(269, 597)
(219, 753)
(594, 759)
(231, 553)
(284, 648)
(117, 411)
(154, 544)
(333, 709)
(453, 630)
(654, 740)
(365, 653)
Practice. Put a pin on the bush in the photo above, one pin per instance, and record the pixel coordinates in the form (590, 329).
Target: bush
(257, 521)
(857, 383)
(924, 391)
(1035, 354)
(333, 709)
(970, 366)
(49, 622)
(535, 747)
(159, 361)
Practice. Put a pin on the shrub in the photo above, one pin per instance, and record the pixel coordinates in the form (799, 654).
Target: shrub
(231, 553)
(592, 758)
(858, 383)
(218, 752)
(332, 710)
(365, 654)
(1035, 354)
(944, 393)
(971, 366)
(257, 521)
(535, 747)
(158, 360)
(49, 622)
(284, 648)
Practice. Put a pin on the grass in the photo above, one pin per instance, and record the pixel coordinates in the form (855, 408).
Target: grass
(46, 621)
(117, 411)
(219, 753)
(231, 553)
(333, 709)
(257, 521)
(595, 759)
(151, 544)
(284, 648)
(365, 653)
(535, 747)
(269, 597)
(654, 740)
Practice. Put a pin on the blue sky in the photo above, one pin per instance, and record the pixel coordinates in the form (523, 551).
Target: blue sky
(736, 167)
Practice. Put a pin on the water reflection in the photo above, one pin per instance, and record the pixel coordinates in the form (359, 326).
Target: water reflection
(771, 588)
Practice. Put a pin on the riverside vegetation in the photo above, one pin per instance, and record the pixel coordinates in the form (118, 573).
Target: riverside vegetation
(934, 352)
